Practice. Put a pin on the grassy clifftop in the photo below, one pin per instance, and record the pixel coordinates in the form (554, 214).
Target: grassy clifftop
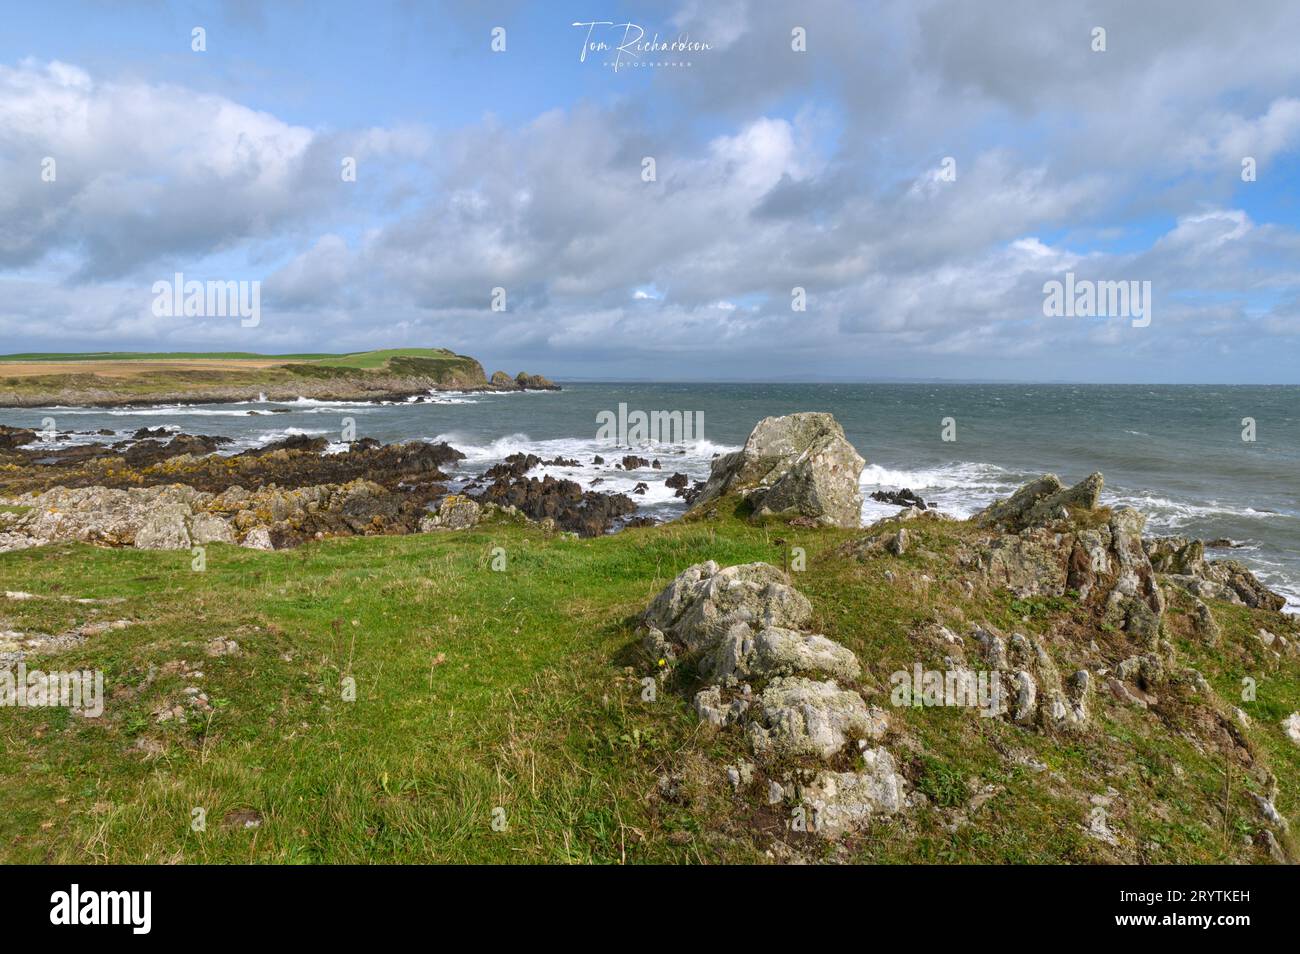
(137, 377)
(498, 668)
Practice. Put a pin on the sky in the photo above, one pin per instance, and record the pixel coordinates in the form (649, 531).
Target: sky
(919, 170)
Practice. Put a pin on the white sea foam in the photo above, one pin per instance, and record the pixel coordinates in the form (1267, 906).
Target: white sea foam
(691, 458)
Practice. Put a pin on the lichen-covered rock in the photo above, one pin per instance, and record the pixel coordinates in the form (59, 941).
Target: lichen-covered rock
(704, 602)
(1135, 603)
(151, 518)
(712, 708)
(164, 528)
(800, 465)
(775, 651)
(843, 801)
(1041, 502)
(1291, 726)
(209, 528)
(259, 538)
(1179, 555)
(455, 512)
(1028, 564)
(796, 717)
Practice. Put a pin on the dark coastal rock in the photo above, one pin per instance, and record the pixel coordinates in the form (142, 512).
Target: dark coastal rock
(534, 382)
(521, 382)
(11, 437)
(693, 494)
(563, 502)
(300, 442)
(677, 481)
(146, 452)
(899, 498)
(185, 459)
(632, 462)
(598, 459)
(516, 465)
(640, 488)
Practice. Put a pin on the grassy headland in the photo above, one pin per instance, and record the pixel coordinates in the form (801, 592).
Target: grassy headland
(109, 379)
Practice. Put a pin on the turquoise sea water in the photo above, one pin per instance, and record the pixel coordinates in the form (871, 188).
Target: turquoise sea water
(1174, 452)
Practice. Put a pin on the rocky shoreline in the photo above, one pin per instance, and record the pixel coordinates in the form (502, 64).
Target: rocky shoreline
(163, 490)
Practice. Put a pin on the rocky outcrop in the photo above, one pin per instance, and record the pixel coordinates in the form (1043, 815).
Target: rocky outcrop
(745, 630)
(1178, 555)
(11, 437)
(1228, 580)
(184, 459)
(559, 503)
(1041, 502)
(1031, 691)
(1049, 540)
(899, 498)
(800, 465)
(178, 517)
(534, 382)
(454, 512)
(521, 382)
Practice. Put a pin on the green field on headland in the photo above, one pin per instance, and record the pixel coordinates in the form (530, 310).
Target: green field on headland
(106, 379)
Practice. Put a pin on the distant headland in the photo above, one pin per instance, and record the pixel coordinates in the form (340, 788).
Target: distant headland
(110, 379)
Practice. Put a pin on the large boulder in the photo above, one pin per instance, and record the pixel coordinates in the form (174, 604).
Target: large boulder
(455, 512)
(800, 465)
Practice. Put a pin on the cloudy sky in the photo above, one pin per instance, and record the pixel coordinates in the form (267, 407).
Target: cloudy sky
(774, 168)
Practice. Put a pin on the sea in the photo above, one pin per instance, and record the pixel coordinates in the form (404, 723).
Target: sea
(1216, 462)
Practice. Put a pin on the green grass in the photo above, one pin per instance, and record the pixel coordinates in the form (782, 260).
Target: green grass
(157, 356)
(520, 690)
(357, 375)
(369, 360)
